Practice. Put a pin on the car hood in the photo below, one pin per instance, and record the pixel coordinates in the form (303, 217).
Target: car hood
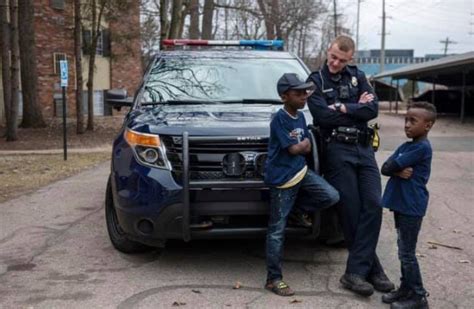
(206, 120)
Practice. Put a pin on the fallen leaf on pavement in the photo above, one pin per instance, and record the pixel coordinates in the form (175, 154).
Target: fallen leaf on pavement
(295, 301)
(465, 261)
(178, 303)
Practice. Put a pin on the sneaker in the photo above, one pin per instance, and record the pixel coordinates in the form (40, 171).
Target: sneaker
(381, 282)
(413, 302)
(300, 219)
(396, 295)
(357, 284)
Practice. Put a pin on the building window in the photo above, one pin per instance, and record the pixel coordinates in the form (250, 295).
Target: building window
(99, 50)
(57, 4)
(56, 58)
(103, 42)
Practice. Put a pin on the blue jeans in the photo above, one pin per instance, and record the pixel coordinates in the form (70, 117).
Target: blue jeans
(313, 193)
(408, 228)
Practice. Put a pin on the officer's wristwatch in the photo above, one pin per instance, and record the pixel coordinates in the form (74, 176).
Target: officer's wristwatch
(338, 106)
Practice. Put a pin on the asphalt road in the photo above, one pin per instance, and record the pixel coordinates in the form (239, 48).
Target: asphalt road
(55, 252)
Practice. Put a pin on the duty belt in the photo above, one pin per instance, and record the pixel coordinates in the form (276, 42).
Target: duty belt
(351, 135)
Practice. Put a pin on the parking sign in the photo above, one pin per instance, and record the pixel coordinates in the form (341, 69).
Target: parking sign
(64, 72)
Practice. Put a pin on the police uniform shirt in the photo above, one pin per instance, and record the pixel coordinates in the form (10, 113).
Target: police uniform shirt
(410, 196)
(328, 92)
(285, 131)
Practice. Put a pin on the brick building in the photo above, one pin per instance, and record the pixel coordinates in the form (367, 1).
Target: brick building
(116, 66)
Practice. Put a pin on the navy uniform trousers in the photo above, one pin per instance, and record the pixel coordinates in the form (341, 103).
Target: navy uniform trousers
(353, 171)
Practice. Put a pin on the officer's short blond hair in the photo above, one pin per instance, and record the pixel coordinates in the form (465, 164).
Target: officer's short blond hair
(345, 43)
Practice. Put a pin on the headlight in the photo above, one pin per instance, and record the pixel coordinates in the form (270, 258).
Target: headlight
(147, 148)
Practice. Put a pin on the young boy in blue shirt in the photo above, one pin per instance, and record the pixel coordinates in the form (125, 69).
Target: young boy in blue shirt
(406, 195)
(286, 173)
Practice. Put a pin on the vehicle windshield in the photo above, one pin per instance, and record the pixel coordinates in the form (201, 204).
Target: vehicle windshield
(197, 81)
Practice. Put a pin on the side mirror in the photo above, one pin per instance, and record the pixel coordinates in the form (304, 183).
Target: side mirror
(118, 98)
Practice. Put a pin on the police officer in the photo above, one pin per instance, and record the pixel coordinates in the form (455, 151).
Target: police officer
(341, 106)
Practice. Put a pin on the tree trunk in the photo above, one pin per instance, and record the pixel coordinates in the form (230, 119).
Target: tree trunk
(207, 16)
(90, 78)
(32, 116)
(176, 17)
(15, 73)
(5, 52)
(184, 13)
(194, 32)
(268, 20)
(78, 60)
(275, 16)
(164, 21)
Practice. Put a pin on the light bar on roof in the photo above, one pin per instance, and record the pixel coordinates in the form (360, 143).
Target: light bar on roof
(251, 43)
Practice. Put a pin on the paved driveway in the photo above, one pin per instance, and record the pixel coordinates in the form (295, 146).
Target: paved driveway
(55, 253)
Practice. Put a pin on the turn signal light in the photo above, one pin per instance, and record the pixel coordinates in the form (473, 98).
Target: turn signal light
(134, 138)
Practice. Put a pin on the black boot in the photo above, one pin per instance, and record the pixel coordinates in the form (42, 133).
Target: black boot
(381, 282)
(413, 302)
(398, 294)
(357, 284)
(298, 218)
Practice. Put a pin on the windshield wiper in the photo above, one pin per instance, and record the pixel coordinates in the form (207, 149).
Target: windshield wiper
(181, 102)
(202, 102)
(253, 101)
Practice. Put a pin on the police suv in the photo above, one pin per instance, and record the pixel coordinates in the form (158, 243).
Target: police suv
(189, 160)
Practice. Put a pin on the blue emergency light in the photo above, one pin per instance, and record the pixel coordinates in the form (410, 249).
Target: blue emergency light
(257, 44)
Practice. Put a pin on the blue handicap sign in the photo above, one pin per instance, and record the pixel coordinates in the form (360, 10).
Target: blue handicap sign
(64, 72)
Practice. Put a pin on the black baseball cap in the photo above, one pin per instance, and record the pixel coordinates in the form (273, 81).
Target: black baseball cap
(290, 81)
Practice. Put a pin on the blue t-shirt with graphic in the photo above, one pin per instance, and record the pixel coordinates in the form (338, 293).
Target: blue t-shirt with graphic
(285, 131)
(410, 196)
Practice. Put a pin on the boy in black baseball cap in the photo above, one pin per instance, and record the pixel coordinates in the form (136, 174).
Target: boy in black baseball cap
(291, 81)
(286, 173)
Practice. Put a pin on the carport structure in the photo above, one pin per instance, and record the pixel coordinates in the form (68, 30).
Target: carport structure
(453, 71)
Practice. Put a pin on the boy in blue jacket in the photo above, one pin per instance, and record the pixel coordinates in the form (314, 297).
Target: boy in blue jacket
(406, 195)
(286, 173)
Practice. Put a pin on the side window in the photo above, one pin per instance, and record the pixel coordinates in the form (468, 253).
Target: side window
(57, 4)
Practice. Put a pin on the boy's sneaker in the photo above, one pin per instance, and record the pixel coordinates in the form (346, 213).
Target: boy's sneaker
(300, 219)
(381, 282)
(414, 301)
(398, 294)
(357, 284)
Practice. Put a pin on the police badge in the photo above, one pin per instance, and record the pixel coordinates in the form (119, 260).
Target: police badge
(354, 81)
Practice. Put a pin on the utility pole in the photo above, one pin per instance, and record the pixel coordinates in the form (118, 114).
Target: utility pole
(446, 43)
(382, 49)
(335, 19)
(357, 27)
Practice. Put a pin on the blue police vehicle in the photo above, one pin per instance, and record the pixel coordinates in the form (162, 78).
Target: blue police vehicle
(189, 159)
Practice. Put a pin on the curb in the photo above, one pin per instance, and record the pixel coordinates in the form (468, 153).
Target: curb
(54, 151)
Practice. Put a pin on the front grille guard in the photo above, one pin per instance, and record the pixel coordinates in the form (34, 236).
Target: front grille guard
(220, 184)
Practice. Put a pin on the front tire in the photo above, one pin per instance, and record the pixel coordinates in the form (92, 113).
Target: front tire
(117, 236)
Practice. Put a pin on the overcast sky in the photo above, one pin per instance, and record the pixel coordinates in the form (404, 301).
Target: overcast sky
(413, 24)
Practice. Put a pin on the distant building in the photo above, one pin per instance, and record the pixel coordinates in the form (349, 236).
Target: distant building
(117, 65)
(369, 60)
